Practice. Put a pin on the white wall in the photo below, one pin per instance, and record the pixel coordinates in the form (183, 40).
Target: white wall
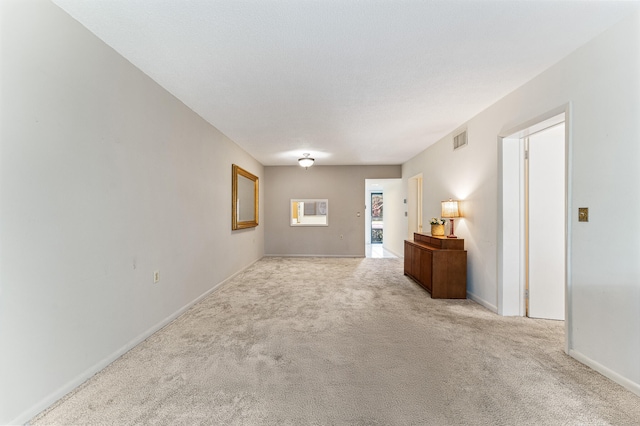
(601, 82)
(468, 174)
(105, 178)
(394, 227)
(343, 186)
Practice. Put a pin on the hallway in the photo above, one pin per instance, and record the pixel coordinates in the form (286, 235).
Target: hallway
(349, 341)
(377, 251)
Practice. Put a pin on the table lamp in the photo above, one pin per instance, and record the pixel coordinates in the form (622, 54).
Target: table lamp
(450, 210)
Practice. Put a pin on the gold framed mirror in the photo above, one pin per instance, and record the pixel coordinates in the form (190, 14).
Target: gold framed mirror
(244, 203)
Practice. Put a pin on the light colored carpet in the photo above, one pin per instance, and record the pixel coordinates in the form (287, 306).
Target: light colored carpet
(327, 341)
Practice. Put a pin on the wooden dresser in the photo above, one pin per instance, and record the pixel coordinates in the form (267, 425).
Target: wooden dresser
(439, 264)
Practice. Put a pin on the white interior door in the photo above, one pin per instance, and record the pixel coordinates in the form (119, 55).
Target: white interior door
(546, 224)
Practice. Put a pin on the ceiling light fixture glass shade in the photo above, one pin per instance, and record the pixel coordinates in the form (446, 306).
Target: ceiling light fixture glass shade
(306, 162)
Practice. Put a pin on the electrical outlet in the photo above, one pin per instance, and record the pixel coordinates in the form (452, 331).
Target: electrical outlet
(156, 276)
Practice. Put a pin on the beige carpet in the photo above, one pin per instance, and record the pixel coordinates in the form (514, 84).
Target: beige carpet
(326, 341)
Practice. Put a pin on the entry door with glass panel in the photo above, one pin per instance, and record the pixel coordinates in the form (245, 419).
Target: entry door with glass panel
(376, 218)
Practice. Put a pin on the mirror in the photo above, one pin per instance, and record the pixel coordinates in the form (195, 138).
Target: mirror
(244, 203)
(309, 212)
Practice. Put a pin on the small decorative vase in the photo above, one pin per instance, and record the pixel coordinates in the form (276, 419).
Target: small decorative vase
(437, 230)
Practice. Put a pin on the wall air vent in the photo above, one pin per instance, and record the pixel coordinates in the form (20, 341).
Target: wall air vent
(460, 140)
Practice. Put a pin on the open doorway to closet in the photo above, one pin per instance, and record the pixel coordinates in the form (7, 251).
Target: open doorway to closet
(534, 204)
(383, 218)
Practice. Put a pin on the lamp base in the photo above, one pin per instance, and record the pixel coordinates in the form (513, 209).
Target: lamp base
(451, 235)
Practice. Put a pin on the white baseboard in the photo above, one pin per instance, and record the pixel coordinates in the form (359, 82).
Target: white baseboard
(400, 256)
(606, 372)
(50, 399)
(482, 302)
(314, 255)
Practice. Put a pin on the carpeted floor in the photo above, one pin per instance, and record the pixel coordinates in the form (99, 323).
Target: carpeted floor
(329, 341)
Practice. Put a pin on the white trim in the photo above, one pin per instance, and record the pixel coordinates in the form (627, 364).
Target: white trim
(481, 301)
(610, 374)
(414, 204)
(510, 227)
(568, 137)
(56, 395)
(399, 256)
(315, 255)
(538, 123)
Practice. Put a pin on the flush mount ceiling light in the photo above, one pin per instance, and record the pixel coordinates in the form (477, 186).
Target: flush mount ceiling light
(306, 162)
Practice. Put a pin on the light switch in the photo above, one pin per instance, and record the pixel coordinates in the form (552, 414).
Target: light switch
(583, 214)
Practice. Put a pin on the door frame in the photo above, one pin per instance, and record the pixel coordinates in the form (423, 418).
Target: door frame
(414, 205)
(510, 247)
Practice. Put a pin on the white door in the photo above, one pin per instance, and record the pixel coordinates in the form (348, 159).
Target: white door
(546, 223)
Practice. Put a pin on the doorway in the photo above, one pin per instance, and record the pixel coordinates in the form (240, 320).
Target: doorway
(377, 219)
(384, 224)
(414, 205)
(533, 209)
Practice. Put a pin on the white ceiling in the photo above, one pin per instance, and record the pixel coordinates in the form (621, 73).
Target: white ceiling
(349, 81)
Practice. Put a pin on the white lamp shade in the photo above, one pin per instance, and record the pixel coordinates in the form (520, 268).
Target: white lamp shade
(450, 209)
